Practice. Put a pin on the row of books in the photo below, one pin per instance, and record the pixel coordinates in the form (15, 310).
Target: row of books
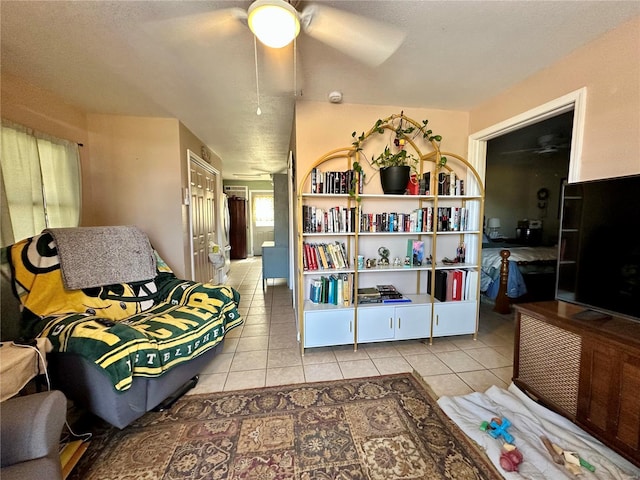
(335, 182)
(449, 219)
(449, 184)
(332, 289)
(454, 285)
(453, 219)
(324, 256)
(332, 220)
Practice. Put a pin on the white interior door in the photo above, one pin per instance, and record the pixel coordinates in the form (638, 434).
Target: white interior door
(202, 216)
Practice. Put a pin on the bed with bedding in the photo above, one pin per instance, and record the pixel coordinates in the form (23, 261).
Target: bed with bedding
(511, 271)
(126, 332)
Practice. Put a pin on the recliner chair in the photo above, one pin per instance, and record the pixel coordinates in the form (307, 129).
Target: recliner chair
(30, 429)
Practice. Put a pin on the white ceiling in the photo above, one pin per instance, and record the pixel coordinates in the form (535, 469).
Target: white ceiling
(162, 58)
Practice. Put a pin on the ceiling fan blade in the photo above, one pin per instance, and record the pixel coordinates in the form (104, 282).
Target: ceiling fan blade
(526, 150)
(199, 27)
(367, 40)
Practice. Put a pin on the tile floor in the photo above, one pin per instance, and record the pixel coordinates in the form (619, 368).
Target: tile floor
(264, 351)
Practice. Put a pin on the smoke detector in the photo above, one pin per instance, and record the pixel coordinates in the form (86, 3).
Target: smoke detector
(335, 97)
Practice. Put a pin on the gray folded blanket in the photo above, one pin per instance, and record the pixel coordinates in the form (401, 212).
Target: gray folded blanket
(98, 256)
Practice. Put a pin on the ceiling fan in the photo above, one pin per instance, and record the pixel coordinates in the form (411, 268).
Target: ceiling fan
(276, 23)
(547, 145)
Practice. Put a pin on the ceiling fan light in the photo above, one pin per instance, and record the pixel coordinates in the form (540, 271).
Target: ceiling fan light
(274, 22)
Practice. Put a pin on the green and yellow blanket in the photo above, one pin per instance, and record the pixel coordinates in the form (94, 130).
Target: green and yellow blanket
(130, 329)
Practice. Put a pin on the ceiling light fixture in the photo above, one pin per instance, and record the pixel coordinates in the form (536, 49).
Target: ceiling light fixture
(274, 22)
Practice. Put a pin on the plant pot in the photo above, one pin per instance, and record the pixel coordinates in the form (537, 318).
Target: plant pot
(394, 179)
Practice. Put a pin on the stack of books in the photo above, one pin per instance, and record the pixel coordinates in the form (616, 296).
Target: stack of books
(390, 294)
(380, 294)
(369, 295)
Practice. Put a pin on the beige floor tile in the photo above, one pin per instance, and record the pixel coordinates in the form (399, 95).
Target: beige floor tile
(256, 319)
(503, 373)
(480, 380)
(494, 339)
(247, 344)
(427, 364)
(358, 368)
(411, 347)
(380, 350)
(283, 317)
(219, 364)
(489, 358)
(253, 360)
(466, 342)
(345, 353)
(459, 361)
(282, 329)
(285, 375)
(229, 345)
(441, 345)
(289, 340)
(505, 351)
(244, 380)
(390, 365)
(313, 356)
(235, 332)
(255, 330)
(449, 385)
(322, 372)
(285, 357)
(209, 383)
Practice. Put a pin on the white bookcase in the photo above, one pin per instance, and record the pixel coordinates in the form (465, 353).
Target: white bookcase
(431, 312)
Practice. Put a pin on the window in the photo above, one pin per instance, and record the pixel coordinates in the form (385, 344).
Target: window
(40, 178)
(263, 209)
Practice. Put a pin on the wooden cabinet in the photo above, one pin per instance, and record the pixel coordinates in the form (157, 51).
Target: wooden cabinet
(238, 227)
(586, 370)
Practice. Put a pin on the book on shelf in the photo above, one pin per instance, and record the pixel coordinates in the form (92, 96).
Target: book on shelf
(415, 252)
(369, 295)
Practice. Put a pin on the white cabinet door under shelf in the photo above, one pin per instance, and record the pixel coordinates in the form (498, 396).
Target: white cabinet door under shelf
(454, 318)
(328, 327)
(400, 322)
(375, 323)
(412, 321)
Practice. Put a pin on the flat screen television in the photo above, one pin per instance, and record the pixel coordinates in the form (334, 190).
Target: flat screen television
(599, 247)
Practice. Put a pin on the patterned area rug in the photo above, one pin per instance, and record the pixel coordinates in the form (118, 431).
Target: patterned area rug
(379, 428)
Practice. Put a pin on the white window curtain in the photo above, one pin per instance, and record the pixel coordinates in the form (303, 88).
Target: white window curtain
(40, 182)
(263, 209)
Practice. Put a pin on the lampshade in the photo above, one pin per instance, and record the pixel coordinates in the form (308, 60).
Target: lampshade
(274, 22)
(494, 223)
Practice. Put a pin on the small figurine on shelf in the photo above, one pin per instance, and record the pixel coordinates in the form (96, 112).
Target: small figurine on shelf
(460, 253)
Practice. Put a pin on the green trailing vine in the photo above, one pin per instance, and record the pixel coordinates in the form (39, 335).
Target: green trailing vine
(403, 132)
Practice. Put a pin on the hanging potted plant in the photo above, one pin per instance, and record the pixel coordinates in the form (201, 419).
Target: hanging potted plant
(395, 163)
(395, 170)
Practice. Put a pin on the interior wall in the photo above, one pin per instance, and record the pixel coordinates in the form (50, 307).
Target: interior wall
(608, 67)
(322, 127)
(136, 179)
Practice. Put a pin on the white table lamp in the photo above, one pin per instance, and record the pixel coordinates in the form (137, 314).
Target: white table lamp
(493, 226)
